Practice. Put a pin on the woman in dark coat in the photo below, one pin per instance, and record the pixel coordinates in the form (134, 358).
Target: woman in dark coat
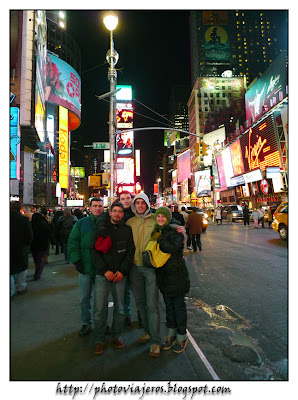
(39, 244)
(172, 279)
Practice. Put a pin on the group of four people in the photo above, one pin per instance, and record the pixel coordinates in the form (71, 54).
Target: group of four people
(107, 250)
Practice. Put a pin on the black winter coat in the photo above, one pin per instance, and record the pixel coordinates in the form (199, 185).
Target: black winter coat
(172, 278)
(120, 256)
(20, 238)
(41, 233)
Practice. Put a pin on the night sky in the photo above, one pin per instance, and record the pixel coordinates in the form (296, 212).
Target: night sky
(154, 55)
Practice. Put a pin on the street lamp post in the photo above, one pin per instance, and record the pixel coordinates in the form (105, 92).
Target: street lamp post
(111, 21)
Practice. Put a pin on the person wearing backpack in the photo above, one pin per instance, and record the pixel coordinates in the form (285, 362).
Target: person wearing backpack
(65, 225)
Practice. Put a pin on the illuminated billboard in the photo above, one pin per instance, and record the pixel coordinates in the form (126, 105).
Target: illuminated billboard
(269, 89)
(236, 156)
(221, 172)
(124, 115)
(216, 44)
(125, 93)
(127, 174)
(138, 162)
(63, 148)
(77, 172)
(124, 143)
(228, 167)
(203, 183)
(63, 85)
(183, 166)
(14, 143)
(259, 147)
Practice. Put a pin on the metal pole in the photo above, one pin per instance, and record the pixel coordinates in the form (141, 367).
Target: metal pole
(112, 117)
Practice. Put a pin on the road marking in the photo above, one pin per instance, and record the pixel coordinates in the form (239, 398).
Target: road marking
(203, 357)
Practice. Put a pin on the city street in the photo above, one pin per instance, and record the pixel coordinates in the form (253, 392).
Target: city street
(237, 318)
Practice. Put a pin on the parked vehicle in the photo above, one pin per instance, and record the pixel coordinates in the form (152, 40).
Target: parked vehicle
(280, 220)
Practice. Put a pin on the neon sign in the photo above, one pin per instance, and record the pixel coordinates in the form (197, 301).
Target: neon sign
(252, 152)
(63, 148)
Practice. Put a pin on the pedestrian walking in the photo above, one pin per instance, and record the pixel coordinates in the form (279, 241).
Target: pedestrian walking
(269, 215)
(112, 266)
(218, 216)
(59, 243)
(79, 242)
(177, 215)
(20, 238)
(65, 224)
(195, 225)
(229, 216)
(40, 243)
(261, 216)
(246, 215)
(255, 216)
(172, 280)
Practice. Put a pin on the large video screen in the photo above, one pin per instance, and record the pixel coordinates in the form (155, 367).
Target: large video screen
(183, 166)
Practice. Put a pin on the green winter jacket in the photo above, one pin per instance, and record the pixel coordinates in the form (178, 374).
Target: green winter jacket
(79, 242)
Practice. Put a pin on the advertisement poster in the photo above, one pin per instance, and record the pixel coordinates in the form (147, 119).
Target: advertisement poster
(269, 89)
(124, 143)
(236, 156)
(183, 166)
(15, 140)
(124, 115)
(63, 85)
(127, 174)
(228, 167)
(203, 183)
(221, 172)
(216, 44)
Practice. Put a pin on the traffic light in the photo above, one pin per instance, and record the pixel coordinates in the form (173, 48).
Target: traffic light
(205, 148)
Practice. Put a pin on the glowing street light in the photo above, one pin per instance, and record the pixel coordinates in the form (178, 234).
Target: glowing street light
(111, 20)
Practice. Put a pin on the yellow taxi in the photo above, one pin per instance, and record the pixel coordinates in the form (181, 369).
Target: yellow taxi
(280, 220)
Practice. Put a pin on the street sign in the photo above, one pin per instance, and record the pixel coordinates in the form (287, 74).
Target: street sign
(119, 165)
(100, 145)
(105, 165)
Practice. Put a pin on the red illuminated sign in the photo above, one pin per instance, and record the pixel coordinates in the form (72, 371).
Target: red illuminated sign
(236, 156)
(259, 147)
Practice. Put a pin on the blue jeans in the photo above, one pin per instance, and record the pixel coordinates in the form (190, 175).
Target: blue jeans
(127, 307)
(146, 293)
(18, 282)
(86, 282)
(176, 316)
(66, 255)
(102, 288)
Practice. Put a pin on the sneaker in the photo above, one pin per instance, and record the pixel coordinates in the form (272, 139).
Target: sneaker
(180, 345)
(200, 248)
(127, 322)
(144, 338)
(118, 343)
(98, 348)
(168, 343)
(154, 350)
(85, 330)
(189, 248)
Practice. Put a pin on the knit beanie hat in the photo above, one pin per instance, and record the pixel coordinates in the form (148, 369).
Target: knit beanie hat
(166, 212)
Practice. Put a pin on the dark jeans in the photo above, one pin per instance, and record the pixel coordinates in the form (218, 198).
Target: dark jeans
(196, 241)
(39, 257)
(176, 314)
(188, 242)
(66, 255)
(262, 221)
(59, 245)
(246, 220)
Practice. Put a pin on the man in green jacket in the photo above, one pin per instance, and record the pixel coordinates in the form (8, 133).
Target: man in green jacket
(79, 252)
(112, 264)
